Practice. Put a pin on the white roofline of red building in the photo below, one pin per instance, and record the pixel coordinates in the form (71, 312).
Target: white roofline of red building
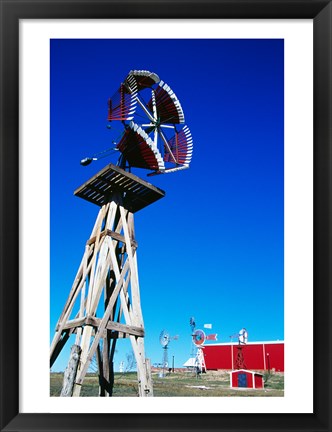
(248, 343)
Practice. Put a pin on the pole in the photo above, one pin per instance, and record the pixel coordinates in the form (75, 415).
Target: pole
(71, 371)
(173, 365)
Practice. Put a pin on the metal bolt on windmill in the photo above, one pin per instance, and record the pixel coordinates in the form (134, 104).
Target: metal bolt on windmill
(107, 278)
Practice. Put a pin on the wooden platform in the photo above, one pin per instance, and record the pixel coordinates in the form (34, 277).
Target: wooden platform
(136, 193)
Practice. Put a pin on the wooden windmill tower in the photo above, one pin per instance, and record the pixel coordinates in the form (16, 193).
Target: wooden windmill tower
(104, 302)
(108, 274)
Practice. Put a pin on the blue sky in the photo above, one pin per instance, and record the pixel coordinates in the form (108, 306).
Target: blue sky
(213, 247)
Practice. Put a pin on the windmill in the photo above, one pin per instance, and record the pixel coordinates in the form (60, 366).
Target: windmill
(164, 340)
(198, 339)
(103, 304)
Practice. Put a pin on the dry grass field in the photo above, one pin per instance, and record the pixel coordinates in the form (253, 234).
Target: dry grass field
(213, 383)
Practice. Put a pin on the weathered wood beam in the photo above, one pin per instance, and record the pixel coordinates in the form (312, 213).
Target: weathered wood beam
(114, 235)
(103, 322)
(77, 322)
(70, 372)
(111, 325)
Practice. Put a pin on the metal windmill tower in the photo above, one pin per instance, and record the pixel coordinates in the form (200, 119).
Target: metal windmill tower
(107, 278)
(192, 324)
(164, 340)
(242, 337)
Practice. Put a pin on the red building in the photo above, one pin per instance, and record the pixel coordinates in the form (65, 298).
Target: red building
(246, 379)
(257, 356)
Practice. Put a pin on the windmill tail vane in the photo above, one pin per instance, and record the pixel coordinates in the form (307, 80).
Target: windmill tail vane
(211, 337)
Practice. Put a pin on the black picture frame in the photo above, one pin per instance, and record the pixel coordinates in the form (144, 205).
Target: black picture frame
(14, 10)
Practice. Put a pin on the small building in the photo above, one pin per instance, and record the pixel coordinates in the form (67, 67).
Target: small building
(246, 379)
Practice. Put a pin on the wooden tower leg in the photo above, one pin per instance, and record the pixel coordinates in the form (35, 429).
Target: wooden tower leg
(109, 266)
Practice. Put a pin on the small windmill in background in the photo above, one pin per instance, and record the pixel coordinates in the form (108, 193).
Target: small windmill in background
(164, 340)
(198, 339)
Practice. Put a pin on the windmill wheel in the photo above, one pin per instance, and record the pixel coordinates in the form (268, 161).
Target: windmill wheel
(164, 338)
(199, 337)
(154, 136)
